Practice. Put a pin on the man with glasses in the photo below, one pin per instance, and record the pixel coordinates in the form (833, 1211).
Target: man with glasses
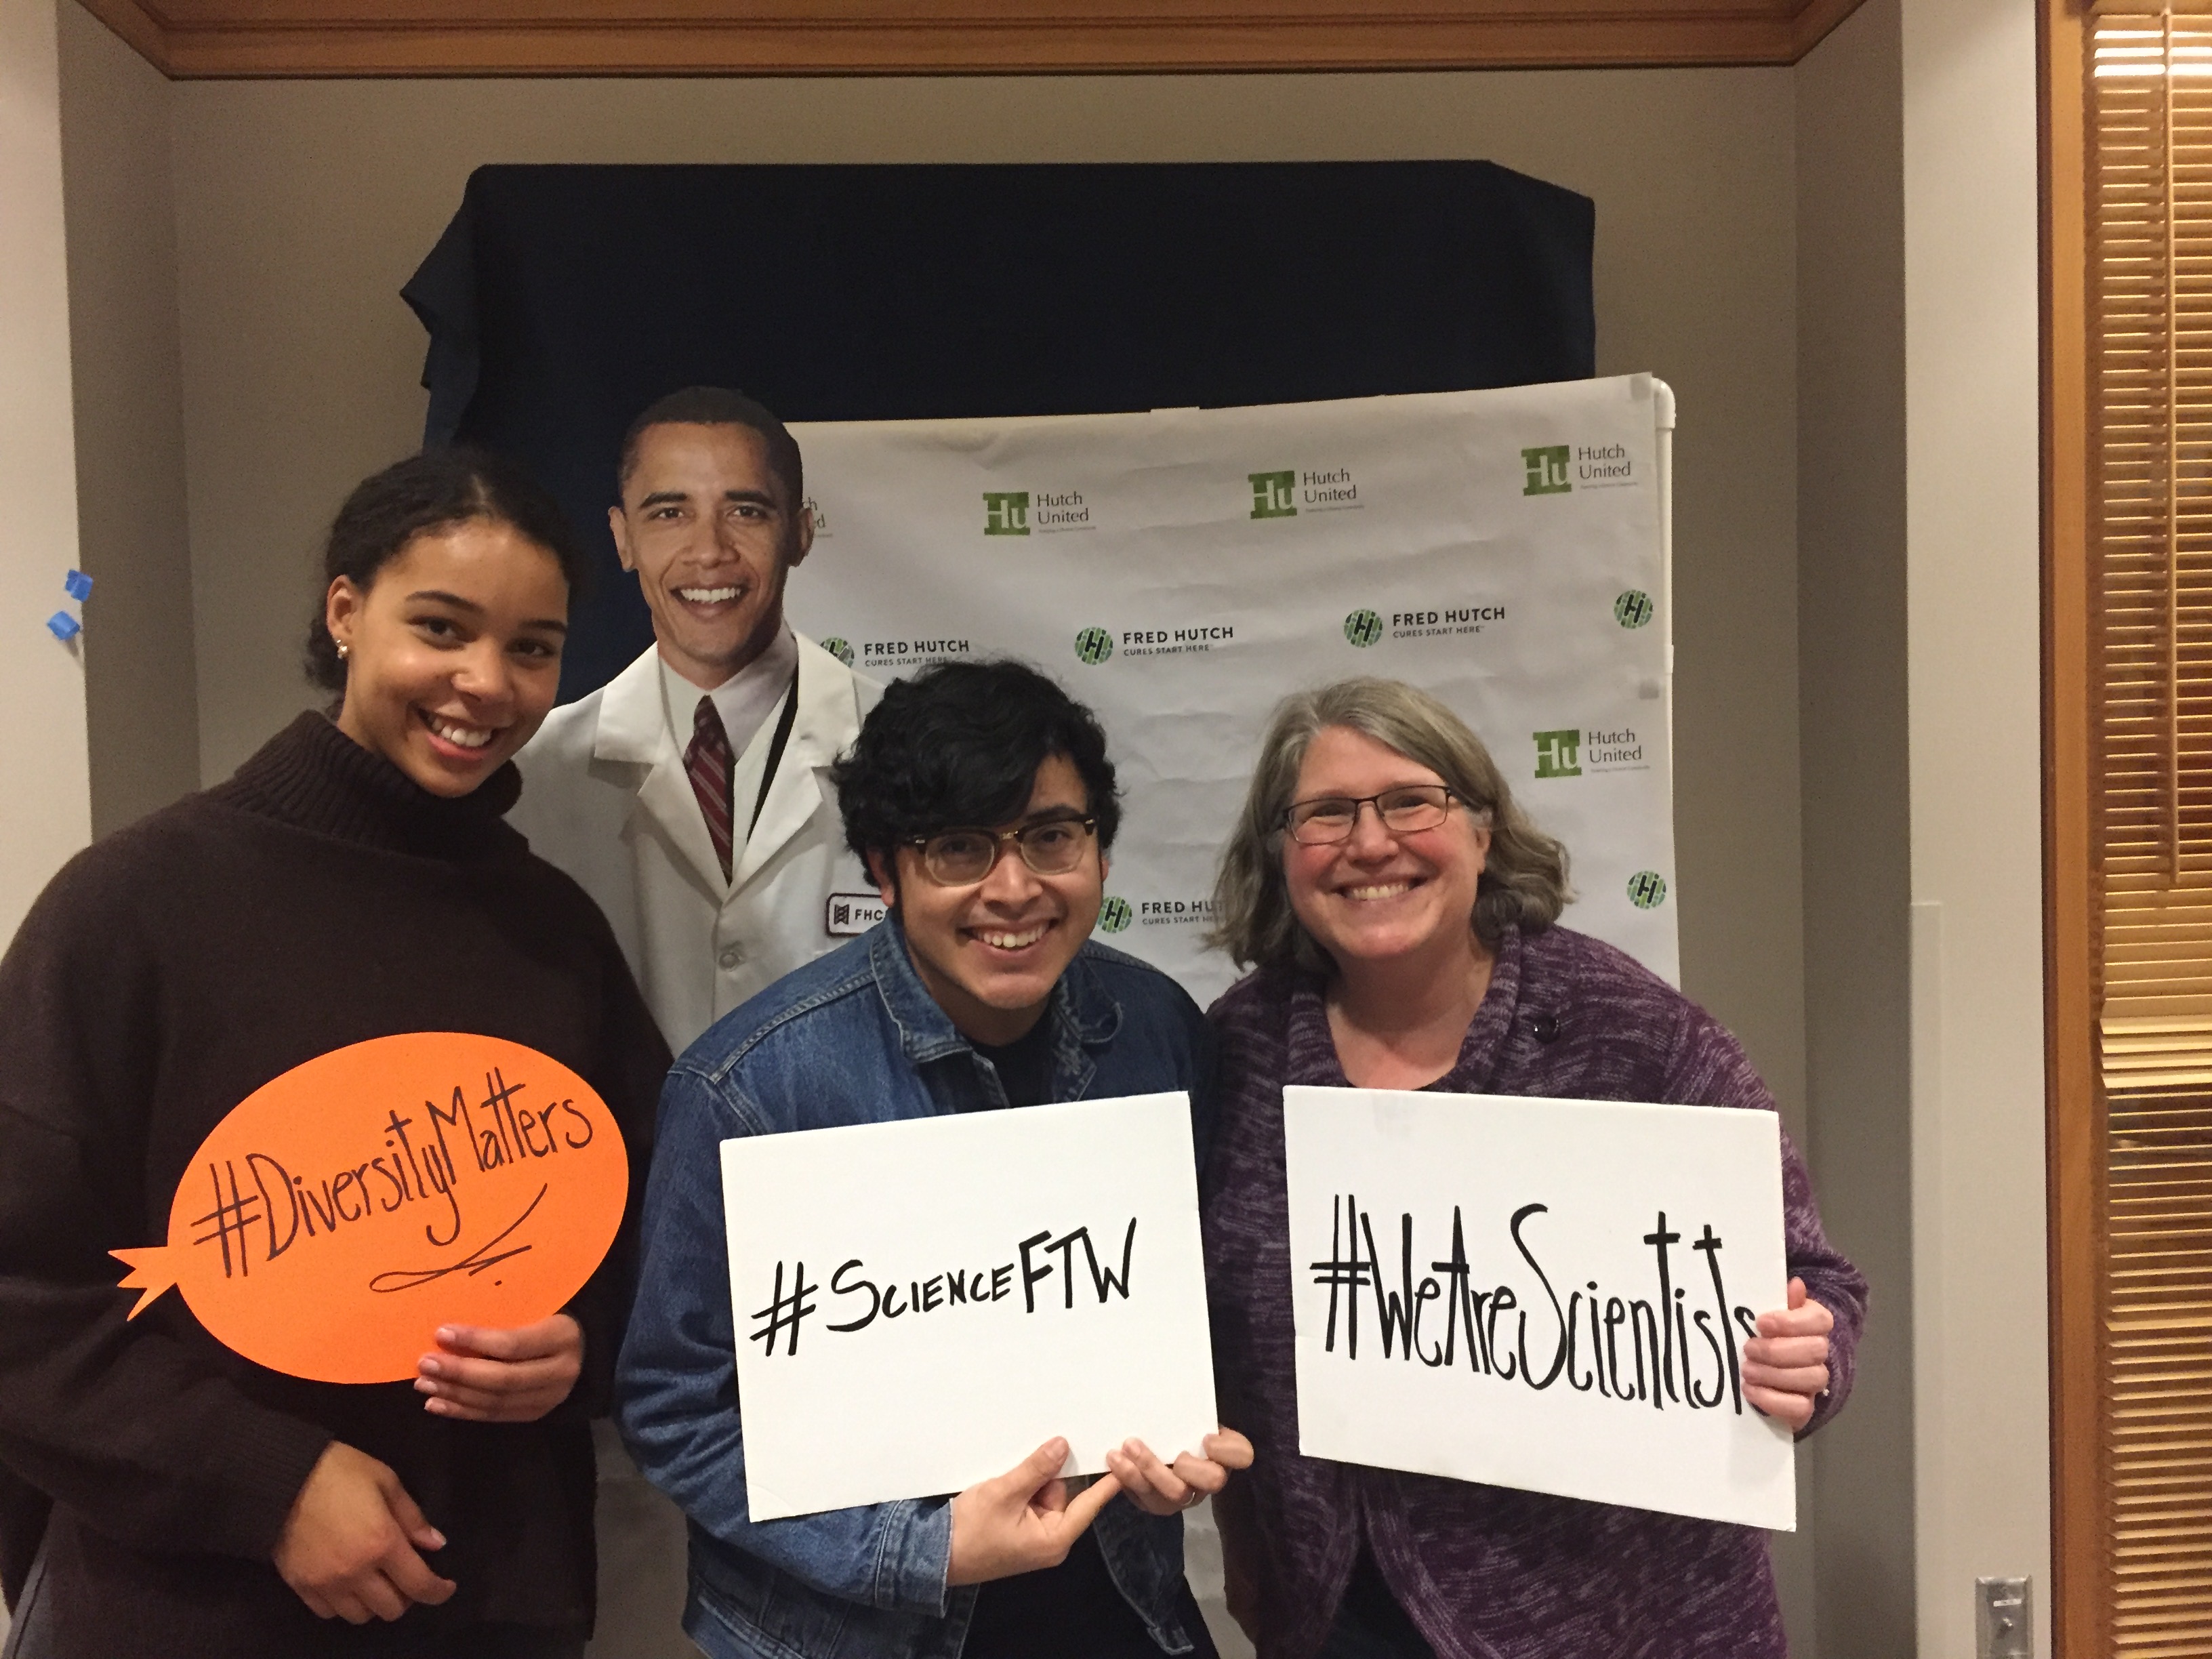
(980, 797)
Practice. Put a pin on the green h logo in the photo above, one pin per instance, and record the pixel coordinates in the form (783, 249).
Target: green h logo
(1094, 646)
(1006, 512)
(1548, 470)
(1647, 889)
(1632, 608)
(1559, 754)
(1362, 627)
(838, 648)
(1271, 495)
(1114, 915)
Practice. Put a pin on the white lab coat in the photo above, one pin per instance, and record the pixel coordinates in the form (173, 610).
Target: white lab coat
(606, 798)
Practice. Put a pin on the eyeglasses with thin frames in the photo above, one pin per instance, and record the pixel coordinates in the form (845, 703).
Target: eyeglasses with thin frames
(960, 858)
(1405, 809)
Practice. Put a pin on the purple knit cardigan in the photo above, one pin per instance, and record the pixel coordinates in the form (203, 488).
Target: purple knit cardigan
(1485, 1572)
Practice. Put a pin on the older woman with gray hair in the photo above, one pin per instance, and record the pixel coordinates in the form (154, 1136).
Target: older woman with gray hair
(1401, 916)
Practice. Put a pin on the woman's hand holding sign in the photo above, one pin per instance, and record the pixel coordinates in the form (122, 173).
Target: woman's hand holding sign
(348, 1547)
(482, 1375)
(1786, 1366)
(1159, 1488)
(1022, 1520)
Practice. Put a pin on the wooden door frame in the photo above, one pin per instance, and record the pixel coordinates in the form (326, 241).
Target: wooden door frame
(2075, 1105)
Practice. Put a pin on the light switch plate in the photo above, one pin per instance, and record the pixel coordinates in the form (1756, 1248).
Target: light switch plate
(2002, 1626)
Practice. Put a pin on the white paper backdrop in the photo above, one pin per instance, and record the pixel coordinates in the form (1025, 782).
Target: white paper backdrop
(1179, 571)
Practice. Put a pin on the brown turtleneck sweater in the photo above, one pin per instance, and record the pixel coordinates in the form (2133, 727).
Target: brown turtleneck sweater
(319, 898)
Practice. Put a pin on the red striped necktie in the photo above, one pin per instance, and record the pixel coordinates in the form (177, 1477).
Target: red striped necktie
(709, 762)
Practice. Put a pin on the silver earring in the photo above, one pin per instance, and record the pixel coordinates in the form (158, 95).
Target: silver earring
(343, 648)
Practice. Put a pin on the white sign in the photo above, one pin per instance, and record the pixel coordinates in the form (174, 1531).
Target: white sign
(1548, 1294)
(1180, 571)
(920, 1305)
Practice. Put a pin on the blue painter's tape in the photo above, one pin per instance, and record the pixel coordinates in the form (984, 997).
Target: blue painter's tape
(63, 627)
(79, 586)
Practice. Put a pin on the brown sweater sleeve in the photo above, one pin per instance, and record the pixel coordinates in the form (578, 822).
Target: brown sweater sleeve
(131, 1425)
(633, 1063)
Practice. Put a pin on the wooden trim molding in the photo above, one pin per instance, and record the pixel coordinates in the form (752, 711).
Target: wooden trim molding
(198, 39)
(2075, 1115)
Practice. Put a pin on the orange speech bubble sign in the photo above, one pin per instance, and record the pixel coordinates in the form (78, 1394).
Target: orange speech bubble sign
(344, 1210)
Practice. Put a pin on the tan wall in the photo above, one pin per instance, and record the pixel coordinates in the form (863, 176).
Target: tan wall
(1973, 594)
(1853, 725)
(141, 693)
(45, 794)
(303, 206)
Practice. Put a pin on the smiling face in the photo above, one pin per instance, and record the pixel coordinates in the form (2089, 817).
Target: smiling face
(990, 954)
(1379, 895)
(712, 532)
(452, 652)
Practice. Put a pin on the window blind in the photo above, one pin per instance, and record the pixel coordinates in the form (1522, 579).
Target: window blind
(2148, 105)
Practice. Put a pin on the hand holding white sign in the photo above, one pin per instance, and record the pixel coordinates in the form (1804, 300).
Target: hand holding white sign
(1786, 1366)
(1159, 1488)
(1022, 1520)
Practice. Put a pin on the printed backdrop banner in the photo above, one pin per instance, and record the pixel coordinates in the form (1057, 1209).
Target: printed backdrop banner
(1180, 571)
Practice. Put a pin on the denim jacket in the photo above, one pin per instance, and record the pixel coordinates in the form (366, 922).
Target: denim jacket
(855, 1037)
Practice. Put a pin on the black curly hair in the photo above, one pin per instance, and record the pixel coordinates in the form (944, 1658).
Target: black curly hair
(958, 745)
(423, 494)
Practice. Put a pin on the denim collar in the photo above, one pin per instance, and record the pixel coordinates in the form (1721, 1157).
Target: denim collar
(1079, 1003)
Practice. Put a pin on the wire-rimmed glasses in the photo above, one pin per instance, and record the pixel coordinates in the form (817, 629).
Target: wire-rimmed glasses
(1327, 819)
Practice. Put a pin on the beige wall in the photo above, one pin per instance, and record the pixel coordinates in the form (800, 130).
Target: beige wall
(45, 803)
(1974, 585)
(141, 694)
(1857, 842)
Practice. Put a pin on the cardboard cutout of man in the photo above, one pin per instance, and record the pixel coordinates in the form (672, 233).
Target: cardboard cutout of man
(980, 795)
(685, 796)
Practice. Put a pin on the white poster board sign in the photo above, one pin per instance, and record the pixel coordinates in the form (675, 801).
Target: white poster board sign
(920, 1305)
(1183, 570)
(1546, 1294)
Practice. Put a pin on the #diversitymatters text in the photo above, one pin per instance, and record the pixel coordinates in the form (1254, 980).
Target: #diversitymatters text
(272, 1208)
(955, 1287)
(1629, 1349)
